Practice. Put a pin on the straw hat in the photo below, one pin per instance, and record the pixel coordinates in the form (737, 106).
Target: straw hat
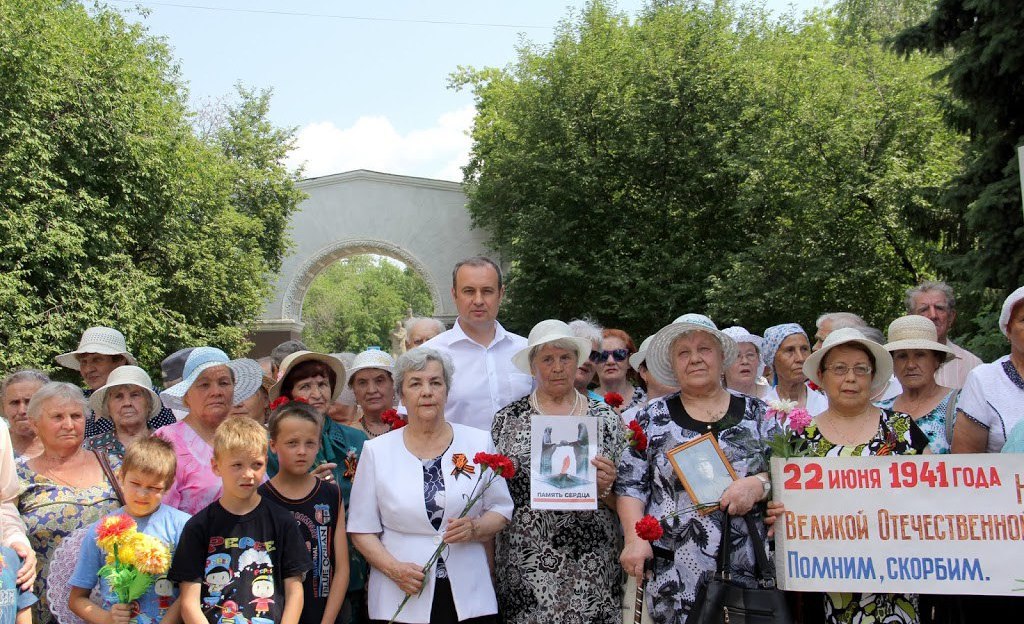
(659, 360)
(248, 378)
(373, 357)
(294, 359)
(916, 332)
(198, 361)
(547, 331)
(102, 340)
(121, 376)
(846, 335)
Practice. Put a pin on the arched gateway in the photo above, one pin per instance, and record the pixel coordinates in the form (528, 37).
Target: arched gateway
(421, 222)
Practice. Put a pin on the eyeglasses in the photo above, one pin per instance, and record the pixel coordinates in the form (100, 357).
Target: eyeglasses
(840, 370)
(602, 356)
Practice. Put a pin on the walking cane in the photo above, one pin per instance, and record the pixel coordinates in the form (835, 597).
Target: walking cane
(641, 584)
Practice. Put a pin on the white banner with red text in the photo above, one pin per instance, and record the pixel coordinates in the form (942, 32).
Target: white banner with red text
(932, 524)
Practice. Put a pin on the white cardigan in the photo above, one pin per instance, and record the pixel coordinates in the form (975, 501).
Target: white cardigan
(387, 500)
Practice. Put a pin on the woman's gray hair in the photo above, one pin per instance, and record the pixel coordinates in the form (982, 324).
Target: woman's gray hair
(28, 374)
(55, 390)
(562, 343)
(585, 328)
(417, 360)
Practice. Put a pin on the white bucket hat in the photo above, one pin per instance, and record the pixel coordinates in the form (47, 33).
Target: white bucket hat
(916, 332)
(371, 358)
(102, 340)
(294, 359)
(199, 360)
(659, 360)
(248, 378)
(1011, 302)
(547, 331)
(740, 334)
(883, 361)
(638, 358)
(122, 376)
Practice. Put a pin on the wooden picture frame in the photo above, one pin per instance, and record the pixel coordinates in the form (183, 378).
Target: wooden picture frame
(702, 468)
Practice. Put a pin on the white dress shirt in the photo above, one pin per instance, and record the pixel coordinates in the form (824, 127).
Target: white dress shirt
(387, 500)
(953, 374)
(485, 379)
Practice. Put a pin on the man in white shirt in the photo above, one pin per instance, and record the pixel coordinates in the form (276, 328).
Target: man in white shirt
(485, 379)
(936, 301)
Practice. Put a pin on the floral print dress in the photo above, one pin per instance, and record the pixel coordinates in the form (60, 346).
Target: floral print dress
(933, 424)
(51, 512)
(556, 567)
(685, 556)
(897, 434)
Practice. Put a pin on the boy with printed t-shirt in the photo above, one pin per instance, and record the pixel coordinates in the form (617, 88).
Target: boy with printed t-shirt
(145, 474)
(14, 602)
(241, 559)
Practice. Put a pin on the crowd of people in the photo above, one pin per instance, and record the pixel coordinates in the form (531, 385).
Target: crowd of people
(311, 487)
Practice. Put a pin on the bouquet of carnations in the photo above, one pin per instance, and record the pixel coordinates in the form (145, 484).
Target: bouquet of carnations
(794, 420)
(134, 560)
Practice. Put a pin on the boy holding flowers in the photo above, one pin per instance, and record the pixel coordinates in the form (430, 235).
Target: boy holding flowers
(144, 532)
(242, 558)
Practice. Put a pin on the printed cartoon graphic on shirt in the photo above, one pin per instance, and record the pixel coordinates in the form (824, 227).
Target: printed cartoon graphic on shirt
(239, 577)
(229, 614)
(164, 590)
(218, 575)
(263, 590)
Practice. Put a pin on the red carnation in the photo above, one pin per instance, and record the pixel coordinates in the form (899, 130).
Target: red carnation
(501, 465)
(278, 402)
(813, 386)
(636, 436)
(391, 417)
(649, 528)
(614, 399)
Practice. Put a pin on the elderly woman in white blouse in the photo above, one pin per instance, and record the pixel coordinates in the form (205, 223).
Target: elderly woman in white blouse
(411, 485)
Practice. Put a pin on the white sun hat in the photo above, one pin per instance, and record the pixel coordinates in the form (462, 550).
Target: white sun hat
(547, 331)
(102, 340)
(198, 361)
(846, 335)
(659, 360)
(740, 334)
(248, 378)
(638, 358)
(916, 332)
(374, 357)
(1011, 302)
(294, 359)
(122, 376)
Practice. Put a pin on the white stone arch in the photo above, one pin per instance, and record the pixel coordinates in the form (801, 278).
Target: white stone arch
(295, 293)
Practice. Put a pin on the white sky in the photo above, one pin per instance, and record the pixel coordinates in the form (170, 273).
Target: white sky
(365, 84)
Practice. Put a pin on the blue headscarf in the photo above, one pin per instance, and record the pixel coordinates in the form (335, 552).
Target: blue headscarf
(773, 337)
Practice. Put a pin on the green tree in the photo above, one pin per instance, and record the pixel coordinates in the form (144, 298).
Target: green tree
(983, 251)
(113, 210)
(355, 303)
(708, 158)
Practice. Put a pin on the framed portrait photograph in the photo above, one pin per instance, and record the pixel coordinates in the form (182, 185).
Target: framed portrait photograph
(703, 470)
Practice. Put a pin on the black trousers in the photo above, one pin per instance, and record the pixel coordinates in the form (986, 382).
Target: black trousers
(442, 609)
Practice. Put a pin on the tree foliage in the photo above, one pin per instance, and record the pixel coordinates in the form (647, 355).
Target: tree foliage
(709, 158)
(355, 303)
(113, 210)
(983, 70)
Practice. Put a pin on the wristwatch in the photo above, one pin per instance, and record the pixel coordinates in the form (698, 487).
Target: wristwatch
(766, 483)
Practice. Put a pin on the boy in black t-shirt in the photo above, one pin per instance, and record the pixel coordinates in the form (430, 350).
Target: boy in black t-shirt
(241, 559)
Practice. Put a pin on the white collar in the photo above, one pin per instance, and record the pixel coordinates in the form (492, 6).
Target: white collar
(458, 334)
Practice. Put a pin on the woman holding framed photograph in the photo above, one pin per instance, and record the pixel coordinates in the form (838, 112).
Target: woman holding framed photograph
(692, 354)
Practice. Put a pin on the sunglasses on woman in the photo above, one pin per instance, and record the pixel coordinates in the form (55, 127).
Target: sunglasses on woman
(618, 355)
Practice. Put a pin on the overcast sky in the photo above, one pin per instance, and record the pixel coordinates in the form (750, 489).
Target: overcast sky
(364, 83)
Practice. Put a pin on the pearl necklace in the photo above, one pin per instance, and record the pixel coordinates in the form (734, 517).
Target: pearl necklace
(535, 404)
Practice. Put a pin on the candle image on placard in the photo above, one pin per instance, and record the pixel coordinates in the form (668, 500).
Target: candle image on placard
(561, 475)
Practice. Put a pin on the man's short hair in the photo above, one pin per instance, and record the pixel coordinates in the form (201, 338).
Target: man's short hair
(841, 320)
(929, 285)
(240, 434)
(153, 457)
(285, 349)
(477, 261)
(412, 321)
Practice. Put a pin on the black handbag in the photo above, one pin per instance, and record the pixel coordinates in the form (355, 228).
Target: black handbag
(723, 601)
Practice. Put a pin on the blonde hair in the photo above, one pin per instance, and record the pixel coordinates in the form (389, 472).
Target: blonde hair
(240, 434)
(151, 456)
